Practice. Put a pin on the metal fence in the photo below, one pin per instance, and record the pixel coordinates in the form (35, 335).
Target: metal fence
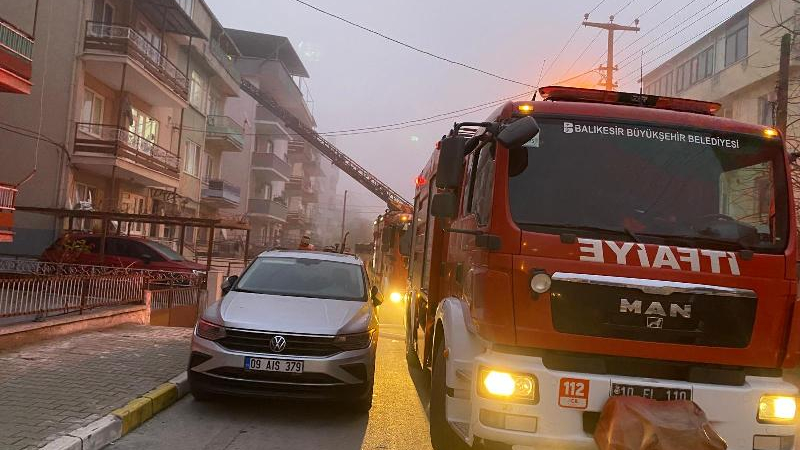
(41, 289)
(170, 298)
(43, 295)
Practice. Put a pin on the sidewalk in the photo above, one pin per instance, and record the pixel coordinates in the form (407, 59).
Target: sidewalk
(56, 386)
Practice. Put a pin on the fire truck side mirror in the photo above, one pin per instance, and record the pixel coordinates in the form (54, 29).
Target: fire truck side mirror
(451, 162)
(518, 133)
(445, 205)
(405, 243)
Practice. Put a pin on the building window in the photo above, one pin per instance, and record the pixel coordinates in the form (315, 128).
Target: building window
(191, 160)
(92, 112)
(683, 77)
(187, 5)
(198, 93)
(705, 66)
(766, 115)
(736, 45)
(209, 171)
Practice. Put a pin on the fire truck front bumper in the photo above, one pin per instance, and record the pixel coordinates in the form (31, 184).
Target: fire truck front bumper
(566, 406)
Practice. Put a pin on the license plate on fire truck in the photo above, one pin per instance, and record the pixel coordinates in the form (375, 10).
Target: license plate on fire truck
(273, 365)
(652, 392)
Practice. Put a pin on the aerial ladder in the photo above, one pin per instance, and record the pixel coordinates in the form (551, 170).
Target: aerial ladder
(393, 200)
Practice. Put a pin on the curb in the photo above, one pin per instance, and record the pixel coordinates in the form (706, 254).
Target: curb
(122, 421)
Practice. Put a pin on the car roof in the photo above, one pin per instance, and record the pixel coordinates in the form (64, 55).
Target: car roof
(310, 254)
(108, 236)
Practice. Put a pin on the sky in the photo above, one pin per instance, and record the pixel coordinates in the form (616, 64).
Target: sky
(360, 80)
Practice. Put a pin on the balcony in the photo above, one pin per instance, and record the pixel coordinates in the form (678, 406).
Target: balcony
(267, 208)
(119, 40)
(269, 167)
(297, 218)
(16, 59)
(221, 194)
(299, 186)
(99, 148)
(226, 60)
(224, 134)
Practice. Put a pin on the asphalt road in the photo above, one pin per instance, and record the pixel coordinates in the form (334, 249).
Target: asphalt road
(398, 419)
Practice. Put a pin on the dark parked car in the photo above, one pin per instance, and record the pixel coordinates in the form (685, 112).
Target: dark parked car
(121, 251)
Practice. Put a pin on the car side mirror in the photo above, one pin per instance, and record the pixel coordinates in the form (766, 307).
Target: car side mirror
(375, 296)
(228, 283)
(444, 205)
(450, 167)
(518, 133)
(147, 258)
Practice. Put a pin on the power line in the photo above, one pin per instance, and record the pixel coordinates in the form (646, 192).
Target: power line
(642, 14)
(682, 30)
(411, 47)
(394, 126)
(648, 63)
(660, 39)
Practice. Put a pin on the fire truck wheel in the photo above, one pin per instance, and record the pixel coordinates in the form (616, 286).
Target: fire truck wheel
(442, 435)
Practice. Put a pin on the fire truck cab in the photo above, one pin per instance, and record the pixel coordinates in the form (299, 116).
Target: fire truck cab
(389, 266)
(597, 244)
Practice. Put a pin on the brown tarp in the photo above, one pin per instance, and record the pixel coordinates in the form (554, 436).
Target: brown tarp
(635, 423)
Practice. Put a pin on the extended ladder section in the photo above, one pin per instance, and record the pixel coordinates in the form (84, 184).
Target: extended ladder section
(393, 200)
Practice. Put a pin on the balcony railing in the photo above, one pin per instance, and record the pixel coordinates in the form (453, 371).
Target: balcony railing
(8, 195)
(223, 191)
(223, 127)
(267, 207)
(15, 40)
(226, 60)
(271, 161)
(125, 40)
(122, 143)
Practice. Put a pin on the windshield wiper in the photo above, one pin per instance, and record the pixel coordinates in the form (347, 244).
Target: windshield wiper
(246, 291)
(567, 226)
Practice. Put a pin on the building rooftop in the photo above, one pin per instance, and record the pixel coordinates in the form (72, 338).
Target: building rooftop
(269, 47)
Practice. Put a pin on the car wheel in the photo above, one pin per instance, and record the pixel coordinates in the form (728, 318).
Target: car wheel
(411, 351)
(442, 435)
(364, 404)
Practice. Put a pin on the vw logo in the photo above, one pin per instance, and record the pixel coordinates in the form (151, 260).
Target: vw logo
(277, 344)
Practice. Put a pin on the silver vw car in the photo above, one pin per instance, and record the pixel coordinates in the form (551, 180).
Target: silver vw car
(296, 324)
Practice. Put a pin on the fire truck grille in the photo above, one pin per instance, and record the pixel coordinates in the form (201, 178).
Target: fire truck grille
(626, 313)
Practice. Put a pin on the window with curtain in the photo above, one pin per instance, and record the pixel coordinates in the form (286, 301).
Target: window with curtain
(191, 159)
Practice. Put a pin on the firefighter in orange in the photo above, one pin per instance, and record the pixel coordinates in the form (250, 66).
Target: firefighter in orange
(305, 243)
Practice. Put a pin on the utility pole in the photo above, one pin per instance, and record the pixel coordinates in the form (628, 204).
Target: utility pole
(344, 216)
(782, 108)
(611, 27)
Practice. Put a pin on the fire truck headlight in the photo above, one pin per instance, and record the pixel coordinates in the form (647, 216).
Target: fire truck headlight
(507, 385)
(540, 283)
(396, 297)
(777, 409)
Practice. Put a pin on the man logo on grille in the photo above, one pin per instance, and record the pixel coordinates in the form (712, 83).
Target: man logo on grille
(277, 344)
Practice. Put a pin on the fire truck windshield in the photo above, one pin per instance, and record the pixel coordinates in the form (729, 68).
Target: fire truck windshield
(635, 181)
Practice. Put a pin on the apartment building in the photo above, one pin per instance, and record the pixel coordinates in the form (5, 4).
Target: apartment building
(125, 95)
(16, 48)
(279, 194)
(736, 64)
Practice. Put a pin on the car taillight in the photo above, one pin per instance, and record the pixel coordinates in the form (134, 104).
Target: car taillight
(210, 331)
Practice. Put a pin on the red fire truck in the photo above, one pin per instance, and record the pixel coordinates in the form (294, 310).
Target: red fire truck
(388, 264)
(597, 244)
